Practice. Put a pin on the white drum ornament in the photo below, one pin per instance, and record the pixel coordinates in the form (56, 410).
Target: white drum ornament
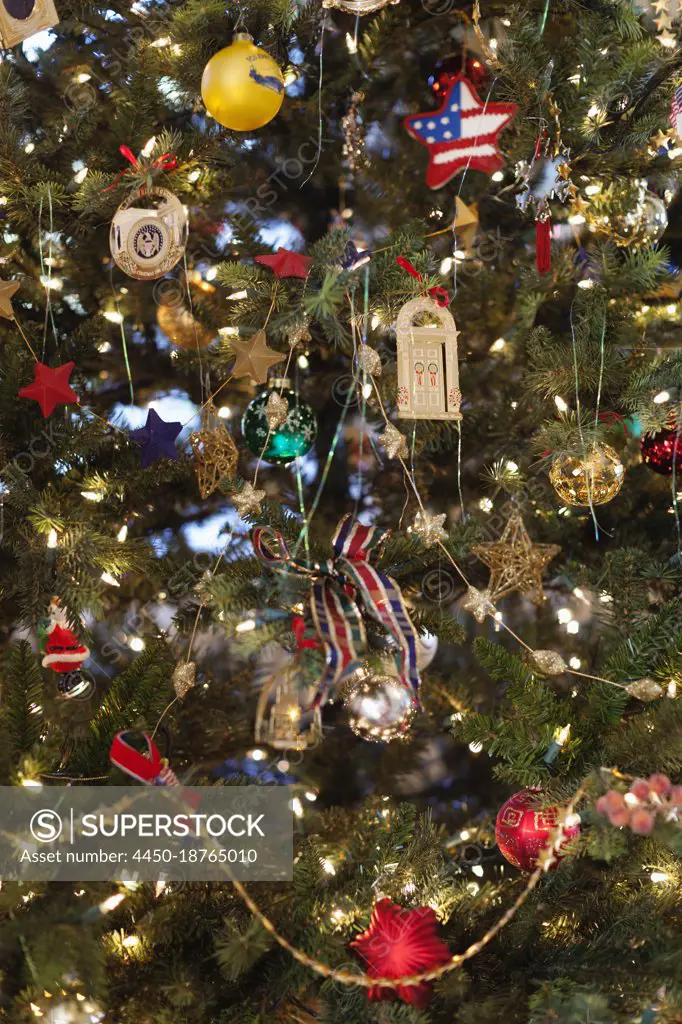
(147, 243)
(428, 372)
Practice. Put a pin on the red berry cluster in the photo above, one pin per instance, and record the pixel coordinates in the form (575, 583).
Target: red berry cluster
(638, 808)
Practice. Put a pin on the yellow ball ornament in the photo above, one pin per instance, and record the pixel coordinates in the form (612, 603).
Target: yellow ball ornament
(242, 86)
(595, 477)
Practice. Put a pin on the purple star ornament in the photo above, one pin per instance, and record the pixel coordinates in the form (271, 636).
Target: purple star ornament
(157, 439)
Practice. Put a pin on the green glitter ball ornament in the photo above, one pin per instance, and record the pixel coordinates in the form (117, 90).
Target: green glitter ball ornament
(289, 440)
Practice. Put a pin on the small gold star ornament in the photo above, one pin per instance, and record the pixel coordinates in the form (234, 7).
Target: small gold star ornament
(7, 290)
(549, 663)
(299, 334)
(184, 678)
(645, 689)
(394, 442)
(248, 501)
(254, 358)
(478, 603)
(369, 360)
(516, 563)
(429, 528)
(215, 453)
(276, 410)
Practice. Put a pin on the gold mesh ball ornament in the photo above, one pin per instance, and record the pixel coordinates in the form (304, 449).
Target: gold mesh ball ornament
(215, 453)
(595, 478)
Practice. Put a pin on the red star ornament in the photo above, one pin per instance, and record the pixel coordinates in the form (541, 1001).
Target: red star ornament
(463, 133)
(50, 387)
(398, 943)
(286, 263)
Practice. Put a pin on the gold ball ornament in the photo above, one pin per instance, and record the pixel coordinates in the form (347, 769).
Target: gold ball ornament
(242, 86)
(181, 328)
(594, 478)
(629, 214)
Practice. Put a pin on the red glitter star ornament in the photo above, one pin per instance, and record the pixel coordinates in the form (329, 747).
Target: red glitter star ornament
(286, 263)
(50, 387)
(398, 943)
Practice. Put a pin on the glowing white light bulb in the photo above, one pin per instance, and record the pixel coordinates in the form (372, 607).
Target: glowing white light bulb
(246, 626)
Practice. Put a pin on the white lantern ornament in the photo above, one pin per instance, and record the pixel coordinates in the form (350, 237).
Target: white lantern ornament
(147, 243)
(428, 372)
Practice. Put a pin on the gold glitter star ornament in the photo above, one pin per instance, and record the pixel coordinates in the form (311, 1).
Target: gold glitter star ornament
(254, 358)
(645, 689)
(549, 663)
(184, 678)
(248, 501)
(369, 360)
(276, 410)
(478, 603)
(394, 442)
(215, 453)
(516, 563)
(430, 528)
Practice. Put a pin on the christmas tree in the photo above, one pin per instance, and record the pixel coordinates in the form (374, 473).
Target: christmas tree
(340, 404)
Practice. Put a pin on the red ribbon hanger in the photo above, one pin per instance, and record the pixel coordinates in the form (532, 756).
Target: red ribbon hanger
(165, 162)
(298, 628)
(438, 294)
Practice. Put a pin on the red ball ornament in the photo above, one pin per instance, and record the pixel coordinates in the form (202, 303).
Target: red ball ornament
(400, 942)
(447, 69)
(523, 826)
(662, 450)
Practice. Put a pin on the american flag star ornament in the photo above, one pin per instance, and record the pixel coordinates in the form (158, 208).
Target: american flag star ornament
(464, 132)
(676, 112)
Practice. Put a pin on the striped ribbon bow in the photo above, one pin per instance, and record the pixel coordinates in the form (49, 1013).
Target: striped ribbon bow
(150, 768)
(336, 585)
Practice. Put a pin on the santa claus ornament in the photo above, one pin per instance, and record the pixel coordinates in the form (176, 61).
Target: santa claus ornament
(523, 828)
(63, 651)
(401, 942)
(464, 132)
